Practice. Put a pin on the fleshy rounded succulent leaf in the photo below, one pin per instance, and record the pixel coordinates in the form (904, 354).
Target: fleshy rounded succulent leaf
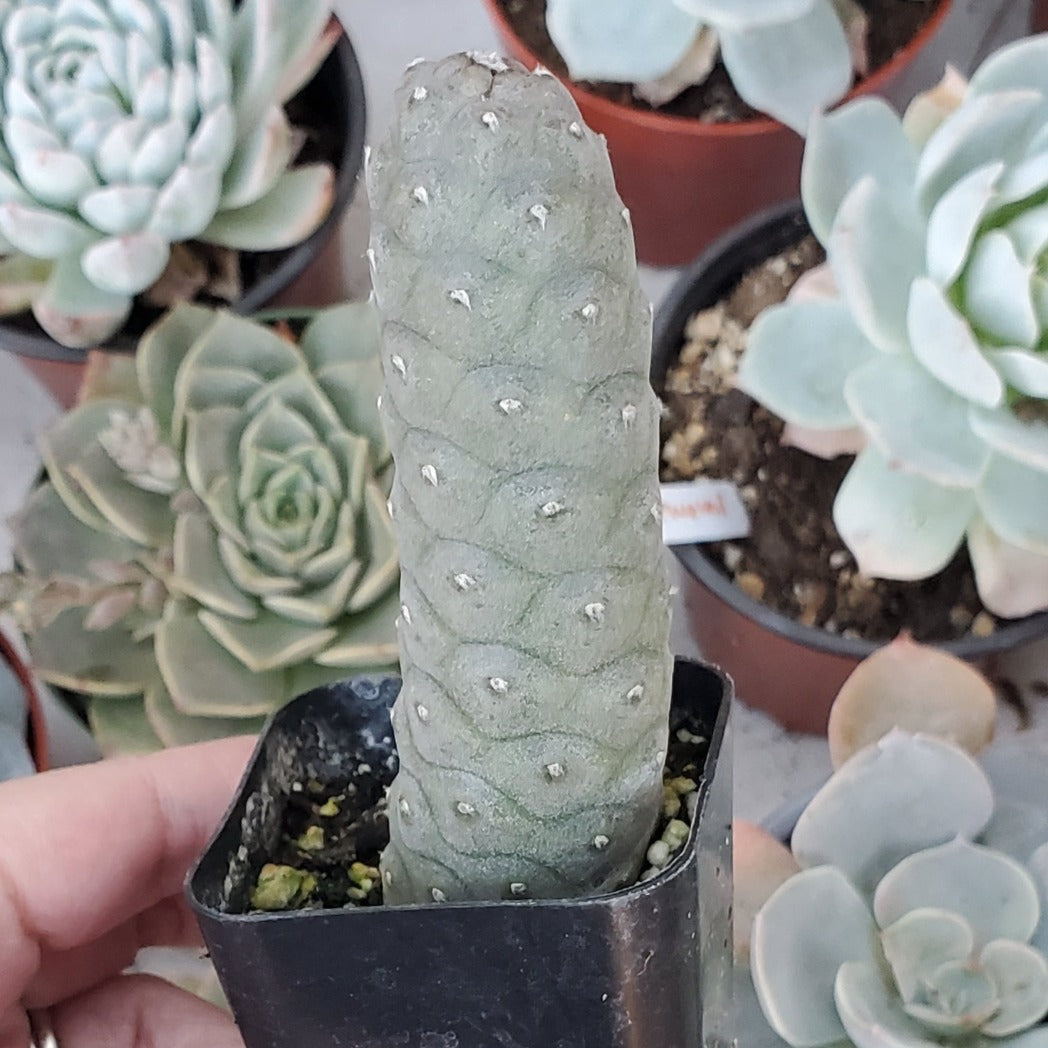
(852, 822)
(1020, 976)
(920, 942)
(914, 688)
(992, 892)
(817, 915)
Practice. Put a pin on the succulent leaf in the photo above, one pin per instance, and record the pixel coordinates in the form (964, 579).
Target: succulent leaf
(841, 825)
(819, 915)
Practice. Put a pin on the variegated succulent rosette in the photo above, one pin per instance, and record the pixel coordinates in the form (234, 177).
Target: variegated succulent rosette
(213, 536)
(923, 344)
(129, 126)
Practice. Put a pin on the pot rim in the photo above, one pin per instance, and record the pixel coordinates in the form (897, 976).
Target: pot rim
(677, 866)
(667, 335)
(690, 127)
(296, 258)
(37, 729)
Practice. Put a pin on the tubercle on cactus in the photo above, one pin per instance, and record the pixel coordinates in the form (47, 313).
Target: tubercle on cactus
(534, 627)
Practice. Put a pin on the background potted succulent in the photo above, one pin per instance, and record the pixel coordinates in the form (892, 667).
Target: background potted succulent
(212, 537)
(940, 929)
(917, 346)
(532, 729)
(173, 152)
(685, 172)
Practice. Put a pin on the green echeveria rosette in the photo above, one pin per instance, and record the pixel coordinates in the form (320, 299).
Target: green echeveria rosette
(214, 532)
(931, 930)
(931, 354)
(129, 125)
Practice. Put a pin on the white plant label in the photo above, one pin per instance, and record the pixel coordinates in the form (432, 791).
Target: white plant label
(702, 511)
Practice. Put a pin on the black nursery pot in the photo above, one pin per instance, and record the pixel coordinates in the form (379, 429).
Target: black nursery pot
(787, 669)
(645, 967)
(337, 92)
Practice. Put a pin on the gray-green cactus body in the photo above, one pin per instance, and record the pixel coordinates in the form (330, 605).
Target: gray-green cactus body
(534, 619)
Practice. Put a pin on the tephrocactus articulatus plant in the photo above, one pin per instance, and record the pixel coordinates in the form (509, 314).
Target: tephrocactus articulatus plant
(532, 723)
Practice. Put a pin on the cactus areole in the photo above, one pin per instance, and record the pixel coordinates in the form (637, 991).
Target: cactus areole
(534, 620)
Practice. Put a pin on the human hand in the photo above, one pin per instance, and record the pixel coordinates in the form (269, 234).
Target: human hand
(92, 861)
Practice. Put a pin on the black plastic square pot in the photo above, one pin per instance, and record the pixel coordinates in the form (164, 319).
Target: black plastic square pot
(645, 967)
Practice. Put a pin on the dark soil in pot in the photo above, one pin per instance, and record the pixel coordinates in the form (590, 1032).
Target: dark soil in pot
(332, 832)
(329, 114)
(794, 559)
(893, 24)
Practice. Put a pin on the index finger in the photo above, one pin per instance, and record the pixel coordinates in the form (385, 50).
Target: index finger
(84, 849)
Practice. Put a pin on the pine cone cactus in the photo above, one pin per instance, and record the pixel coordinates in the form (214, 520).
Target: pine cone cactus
(534, 604)
(213, 538)
(128, 127)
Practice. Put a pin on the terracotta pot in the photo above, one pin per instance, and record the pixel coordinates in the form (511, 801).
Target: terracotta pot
(686, 182)
(790, 671)
(37, 725)
(308, 274)
(1039, 16)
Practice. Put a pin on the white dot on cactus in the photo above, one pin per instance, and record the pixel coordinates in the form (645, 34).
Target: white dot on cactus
(518, 888)
(388, 877)
(589, 311)
(464, 581)
(415, 62)
(595, 611)
(660, 758)
(541, 70)
(465, 808)
(629, 415)
(398, 365)
(600, 842)
(370, 256)
(509, 406)
(498, 685)
(429, 474)
(555, 770)
(421, 194)
(636, 693)
(438, 895)
(673, 591)
(656, 511)
(490, 120)
(551, 509)
(378, 401)
(626, 216)
(405, 614)
(389, 508)
(540, 213)
(461, 297)
(422, 713)
(367, 155)
(489, 61)
(419, 94)
(575, 128)
(405, 808)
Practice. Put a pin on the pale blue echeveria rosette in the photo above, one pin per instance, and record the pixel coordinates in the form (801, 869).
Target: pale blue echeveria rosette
(127, 126)
(213, 537)
(920, 914)
(929, 353)
(786, 58)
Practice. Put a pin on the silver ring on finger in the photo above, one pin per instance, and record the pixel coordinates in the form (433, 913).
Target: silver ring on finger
(41, 1031)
